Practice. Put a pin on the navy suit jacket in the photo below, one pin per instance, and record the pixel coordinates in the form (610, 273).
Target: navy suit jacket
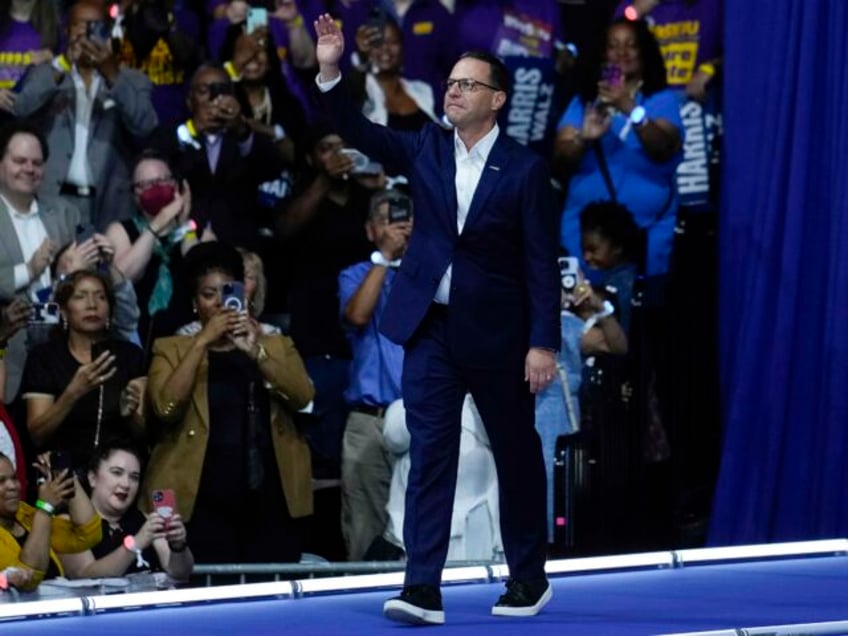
(505, 289)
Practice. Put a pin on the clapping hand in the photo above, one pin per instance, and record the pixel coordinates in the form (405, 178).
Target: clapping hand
(13, 317)
(92, 374)
(132, 396)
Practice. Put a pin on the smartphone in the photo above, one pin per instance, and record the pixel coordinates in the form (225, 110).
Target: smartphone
(611, 74)
(59, 461)
(97, 31)
(164, 504)
(84, 232)
(377, 19)
(99, 348)
(232, 295)
(569, 272)
(400, 209)
(219, 88)
(45, 314)
(257, 18)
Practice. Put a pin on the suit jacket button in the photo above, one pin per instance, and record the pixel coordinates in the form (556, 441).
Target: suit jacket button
(191, 432)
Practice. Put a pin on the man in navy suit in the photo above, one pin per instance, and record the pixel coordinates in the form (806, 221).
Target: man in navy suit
(476, 307)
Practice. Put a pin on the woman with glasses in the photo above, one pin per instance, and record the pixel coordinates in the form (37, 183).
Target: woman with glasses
(149, 245)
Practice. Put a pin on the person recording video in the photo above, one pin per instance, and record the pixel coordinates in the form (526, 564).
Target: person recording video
(227, 445)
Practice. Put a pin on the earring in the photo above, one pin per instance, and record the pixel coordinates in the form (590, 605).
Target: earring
(194, 309)
(108, 323)
(64, 323)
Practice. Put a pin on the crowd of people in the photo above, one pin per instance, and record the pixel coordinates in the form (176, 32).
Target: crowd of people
(219, 275)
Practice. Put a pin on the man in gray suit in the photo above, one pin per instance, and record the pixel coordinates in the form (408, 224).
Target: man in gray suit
(95, 115)
(32, 229)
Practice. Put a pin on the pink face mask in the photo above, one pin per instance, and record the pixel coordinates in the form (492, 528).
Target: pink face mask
(156, 197)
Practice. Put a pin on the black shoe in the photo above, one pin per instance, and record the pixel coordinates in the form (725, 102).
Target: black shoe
(417, 604)
(523, 598)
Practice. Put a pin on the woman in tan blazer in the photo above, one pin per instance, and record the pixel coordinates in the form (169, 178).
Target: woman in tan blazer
(226, 443)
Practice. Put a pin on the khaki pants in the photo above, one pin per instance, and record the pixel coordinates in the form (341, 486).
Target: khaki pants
(366, 475)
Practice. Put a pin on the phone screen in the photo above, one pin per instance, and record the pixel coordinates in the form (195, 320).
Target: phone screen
(97, 31)
(257, 18)
(611, 74)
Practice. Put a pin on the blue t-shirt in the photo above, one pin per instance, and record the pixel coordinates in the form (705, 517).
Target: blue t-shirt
(643, 185)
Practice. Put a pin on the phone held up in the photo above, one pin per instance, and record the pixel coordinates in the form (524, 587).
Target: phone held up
(164, 504)
(60, 460)
(97, 31)
(99, 347)
(232, 295)
(45, 314)
(257, 18)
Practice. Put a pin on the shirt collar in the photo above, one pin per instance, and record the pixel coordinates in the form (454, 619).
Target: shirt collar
(33, 209)
(481, 149)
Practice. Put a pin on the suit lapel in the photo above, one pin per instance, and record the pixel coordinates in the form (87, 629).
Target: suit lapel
(50, 220)
(493, 172)
(447, 169)
(8, 236)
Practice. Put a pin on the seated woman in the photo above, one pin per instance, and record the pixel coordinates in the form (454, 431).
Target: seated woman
(227, 445)
(81, 386)
(31, 538)
(114, 478)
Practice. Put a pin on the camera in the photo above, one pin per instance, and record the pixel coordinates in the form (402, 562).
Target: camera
(97, 31)
(45, 313)
(219, 88)
(84, 232)
(232, 295)
(377, 19)
(400, 209)
(569, 270)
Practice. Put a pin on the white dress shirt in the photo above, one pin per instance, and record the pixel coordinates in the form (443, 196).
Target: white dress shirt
(79, 171)
(469, 168)
(31, 234)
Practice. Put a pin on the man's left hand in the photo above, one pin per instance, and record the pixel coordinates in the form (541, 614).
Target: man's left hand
(99, 55)
(539, 368)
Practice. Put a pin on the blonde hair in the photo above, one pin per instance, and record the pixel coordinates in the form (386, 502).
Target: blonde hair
(253, 263)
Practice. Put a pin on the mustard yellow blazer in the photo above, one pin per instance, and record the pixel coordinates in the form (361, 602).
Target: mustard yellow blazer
(66, 537)
(177, 458)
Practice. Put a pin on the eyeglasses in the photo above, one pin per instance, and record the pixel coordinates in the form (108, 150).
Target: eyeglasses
(149, 183)
(467, 85)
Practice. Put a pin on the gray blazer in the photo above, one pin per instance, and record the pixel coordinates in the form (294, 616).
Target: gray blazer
(60, 220)
(122, 117)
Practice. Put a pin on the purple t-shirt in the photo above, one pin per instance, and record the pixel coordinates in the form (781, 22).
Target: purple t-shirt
(689, 35)
(15, 46)
(525, 28)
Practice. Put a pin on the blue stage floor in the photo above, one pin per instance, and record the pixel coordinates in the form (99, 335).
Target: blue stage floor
(694, 598)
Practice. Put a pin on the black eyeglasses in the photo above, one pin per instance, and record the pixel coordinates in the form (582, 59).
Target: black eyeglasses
(467, 85)
(149, 183)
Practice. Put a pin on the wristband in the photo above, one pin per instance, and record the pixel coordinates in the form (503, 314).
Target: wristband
(638, 116)
(2, 353)
(377, 258)
(61, 63)
(707, 69)
(46, 507)
(232, 72)
(279, 133)
(130, 544)
(295, 22)
(187, 134)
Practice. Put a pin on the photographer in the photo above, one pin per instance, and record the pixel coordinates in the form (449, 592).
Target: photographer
(374, 373)
(92, 110)
(220, 157)
(227, 445)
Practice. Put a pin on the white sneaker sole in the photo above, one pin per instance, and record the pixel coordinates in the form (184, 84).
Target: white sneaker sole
(404, 612)
(530, 610)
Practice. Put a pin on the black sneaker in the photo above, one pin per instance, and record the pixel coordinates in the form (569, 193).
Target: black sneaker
(523, 598)
(417, 605)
